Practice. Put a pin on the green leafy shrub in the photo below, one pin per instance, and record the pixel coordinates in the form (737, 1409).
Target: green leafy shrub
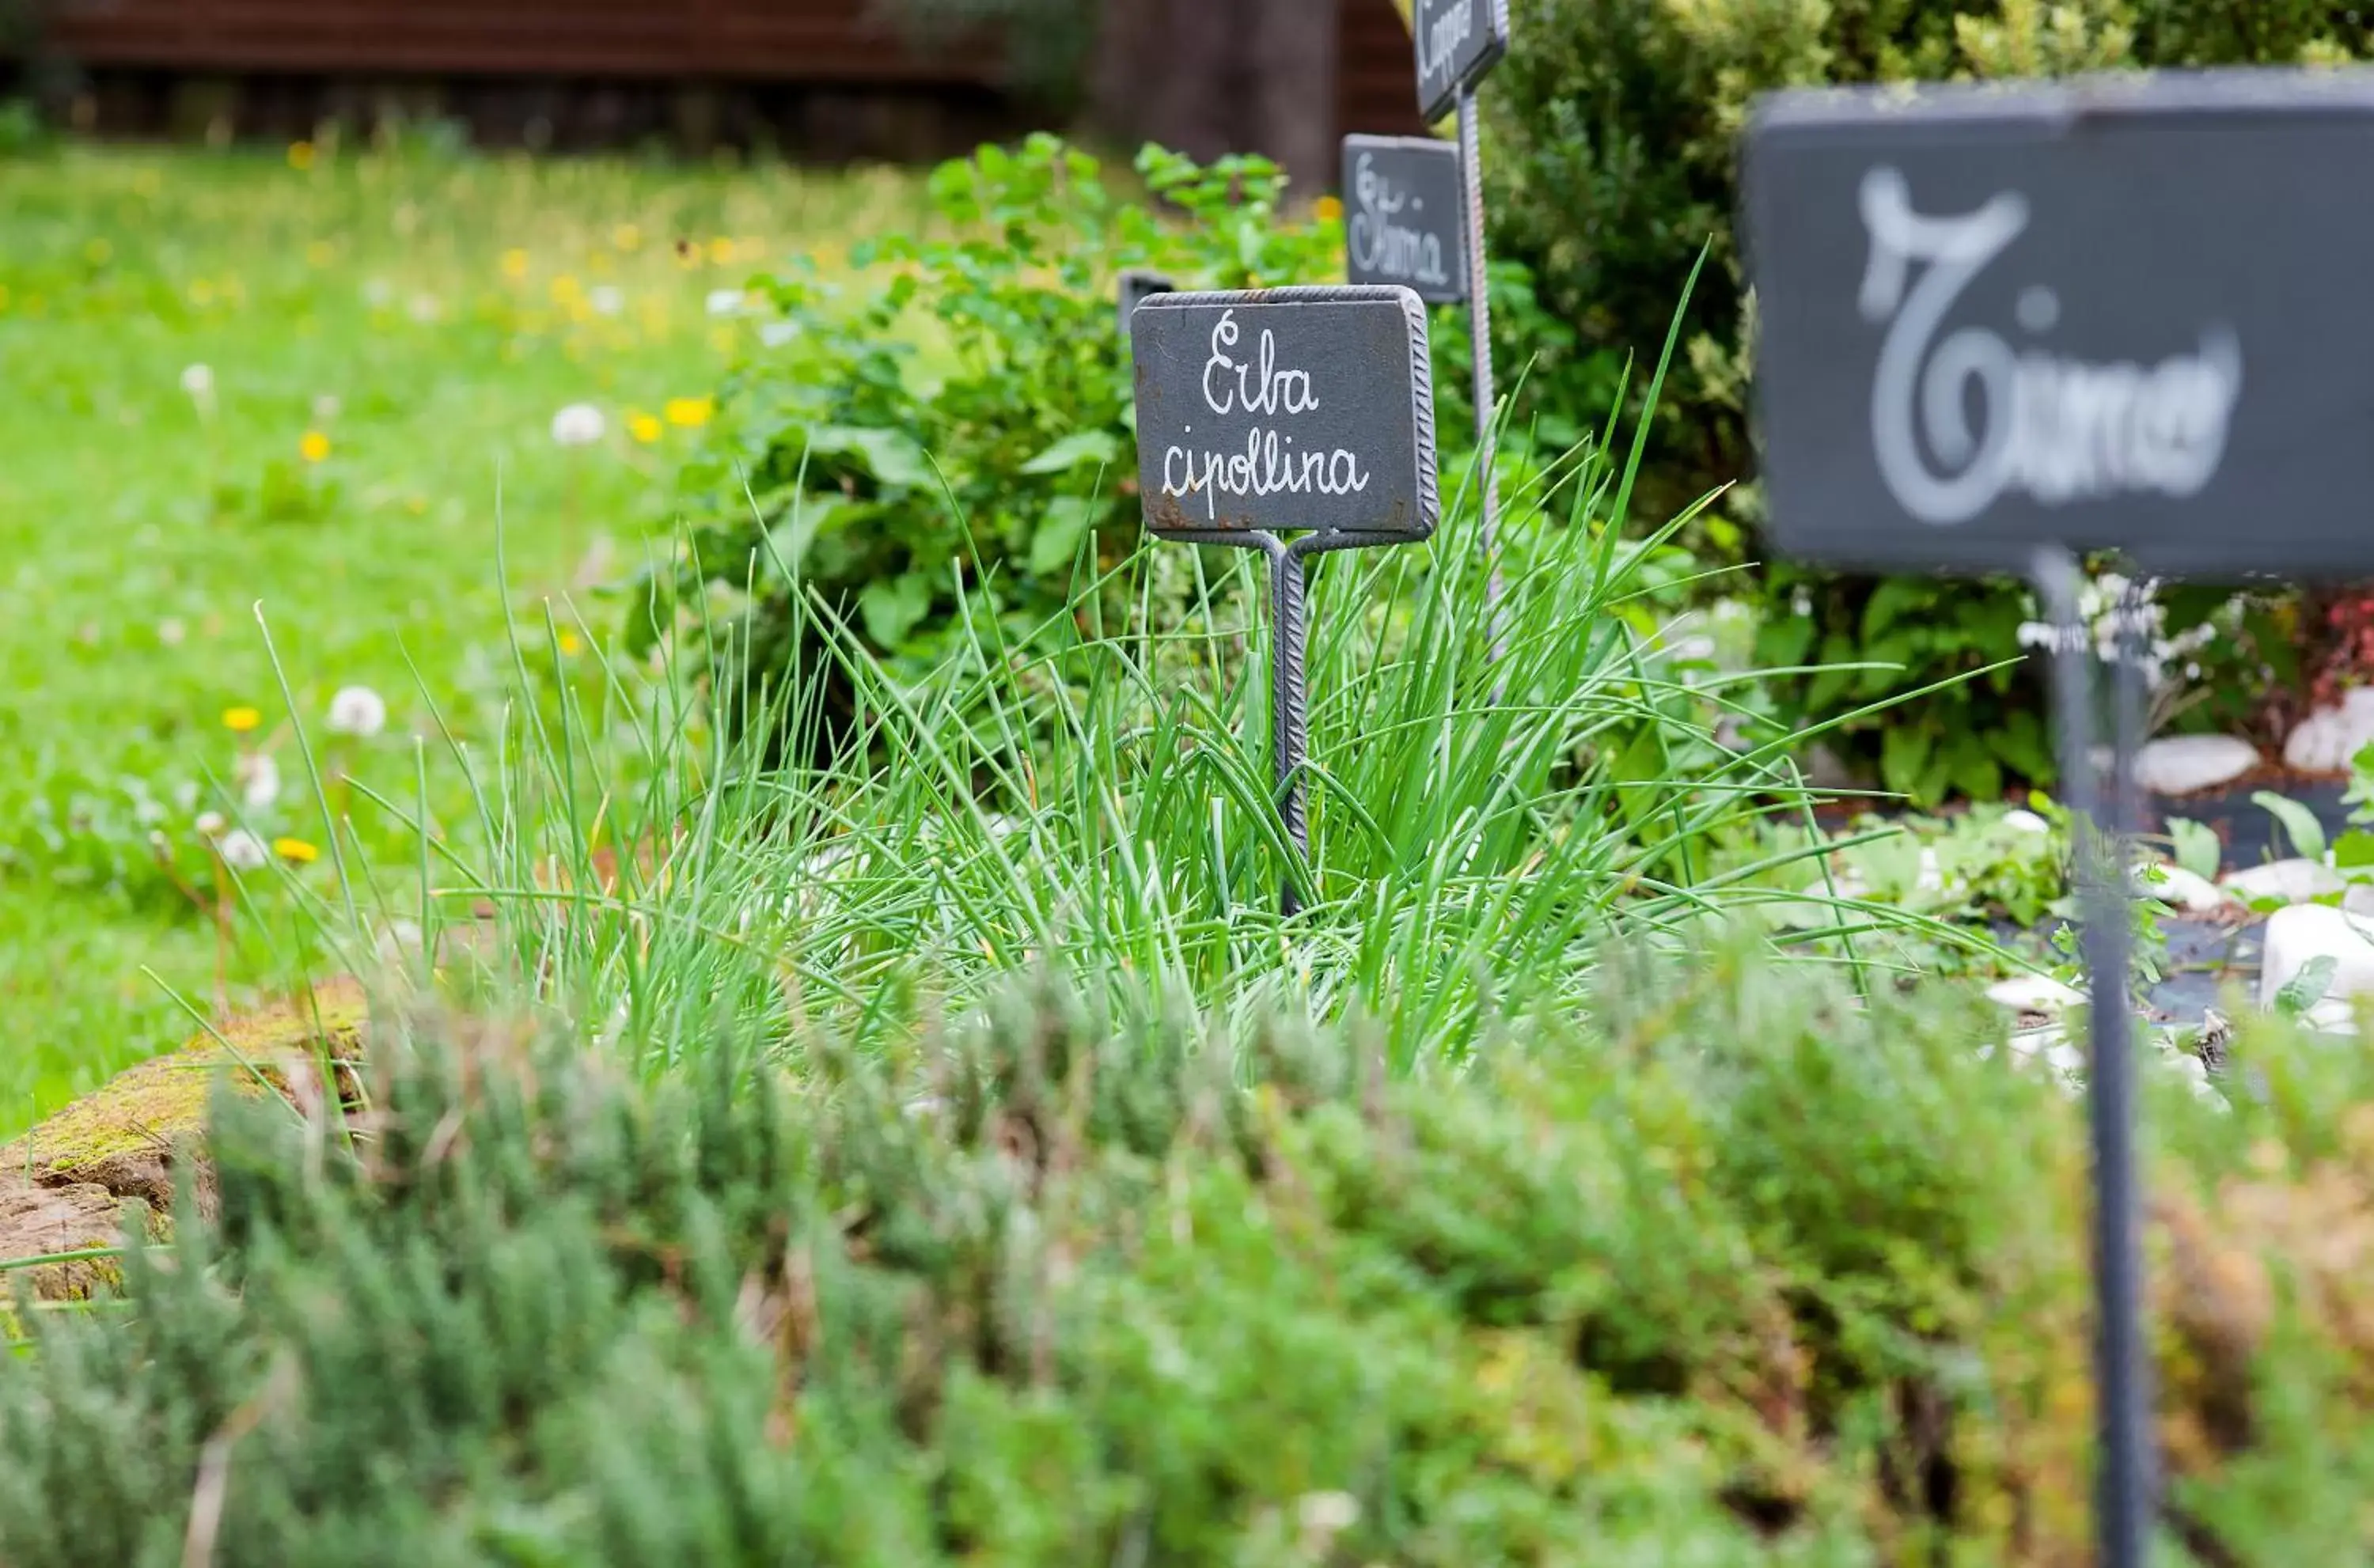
(1613, 131)
(941, 442)
(964, 430)
(1751, 1274)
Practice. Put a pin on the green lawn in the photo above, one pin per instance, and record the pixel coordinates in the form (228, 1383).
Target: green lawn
(387, 340)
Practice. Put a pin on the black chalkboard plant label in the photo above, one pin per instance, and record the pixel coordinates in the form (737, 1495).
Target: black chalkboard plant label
(1406, 216)
(1457, 42)
(1286, 409)
(2118, 313)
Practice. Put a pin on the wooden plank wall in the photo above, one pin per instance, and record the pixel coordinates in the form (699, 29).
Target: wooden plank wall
(787, 40)
(791, 42)
(1376, 71)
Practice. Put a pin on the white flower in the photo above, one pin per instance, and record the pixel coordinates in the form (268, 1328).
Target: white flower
(774, 335)
(357, 710)
(258, 778)
(424, 308)
(325, 407)
(198, 381)
(170, 632)
(211, 824)
(578, 425)
(607, 298)
(725, 301)
(243, 851)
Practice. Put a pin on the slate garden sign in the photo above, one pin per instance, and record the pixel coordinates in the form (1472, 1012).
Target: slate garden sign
(1267, 412)
(2002, 325)
(1406, 216)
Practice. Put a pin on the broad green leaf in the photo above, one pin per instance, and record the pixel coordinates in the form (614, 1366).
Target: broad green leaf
(1904, 757)
(1890, 600)
(1081, 449)
(890, 456)
(2300, 825)
(2306, 988)
(1058, 535)
(891, 606)
(2196, 846)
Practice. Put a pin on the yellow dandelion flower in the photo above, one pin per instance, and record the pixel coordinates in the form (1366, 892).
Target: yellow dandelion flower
(643, 428)
(314, 446)
(295, 849)
(242, 720)
(690, 411)
(565, 288)
(627, 237)
(300, 155)
(569, 643)
(514, 263)
(318, 253)
(1328, 209)
(720, 251)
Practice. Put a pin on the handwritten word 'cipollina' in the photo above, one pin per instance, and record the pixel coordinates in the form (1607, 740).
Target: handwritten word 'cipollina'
(1381, 247)
(2058, 429)
(1269, 466)
(1451, 27)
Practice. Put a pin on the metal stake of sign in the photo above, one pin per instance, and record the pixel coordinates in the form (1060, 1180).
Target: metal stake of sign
(1479, 329)
(1458, 43)
(2104, 818)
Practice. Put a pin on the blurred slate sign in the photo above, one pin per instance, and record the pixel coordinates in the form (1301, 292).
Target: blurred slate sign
(1405, 216)
(1136, 286)
(2123, 313)
(1286, 409)
(1457, 42)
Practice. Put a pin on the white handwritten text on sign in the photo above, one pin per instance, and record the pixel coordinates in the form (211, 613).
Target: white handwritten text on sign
(1284, 409)
(1404, 220)
(2059, 428)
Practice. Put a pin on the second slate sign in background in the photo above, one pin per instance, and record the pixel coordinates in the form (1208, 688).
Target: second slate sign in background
(1405, 216)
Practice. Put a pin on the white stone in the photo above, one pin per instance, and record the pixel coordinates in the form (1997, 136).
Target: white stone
(2190, 891)
(2181, 765)
(2297, 936)
(2334, 1015)
(2294, 880)
(1931, 877)
(2020, 819)
(2050, 1046)
(2034, 993)
(2327, 739)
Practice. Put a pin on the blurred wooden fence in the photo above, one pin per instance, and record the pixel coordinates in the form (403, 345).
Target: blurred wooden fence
(840, 46)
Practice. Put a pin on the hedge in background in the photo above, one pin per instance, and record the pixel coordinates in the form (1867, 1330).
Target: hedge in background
(1750, 1274)
(1613, 129)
